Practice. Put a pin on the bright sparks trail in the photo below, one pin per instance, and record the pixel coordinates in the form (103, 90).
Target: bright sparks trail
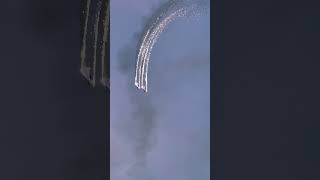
(166, 14)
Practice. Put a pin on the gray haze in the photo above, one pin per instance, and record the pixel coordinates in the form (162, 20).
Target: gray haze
(163, 134)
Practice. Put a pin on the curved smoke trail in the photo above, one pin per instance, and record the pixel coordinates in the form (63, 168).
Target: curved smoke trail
(167, 13)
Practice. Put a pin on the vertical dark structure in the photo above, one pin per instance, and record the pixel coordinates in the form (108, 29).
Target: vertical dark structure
(53, 126)
(94, 53)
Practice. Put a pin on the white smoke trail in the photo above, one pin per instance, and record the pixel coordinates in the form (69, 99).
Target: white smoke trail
(169, 12)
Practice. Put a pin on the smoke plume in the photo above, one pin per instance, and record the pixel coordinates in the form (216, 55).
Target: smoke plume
(140, 129)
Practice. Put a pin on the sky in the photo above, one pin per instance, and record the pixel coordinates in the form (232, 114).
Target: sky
(265, 94)
(165, 133)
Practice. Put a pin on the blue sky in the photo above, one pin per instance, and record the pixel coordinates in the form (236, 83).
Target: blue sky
(179, 93)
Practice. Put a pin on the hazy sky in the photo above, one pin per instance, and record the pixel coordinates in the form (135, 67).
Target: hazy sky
(175, 142)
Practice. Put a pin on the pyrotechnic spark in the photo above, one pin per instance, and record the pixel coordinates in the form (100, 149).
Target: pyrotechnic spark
(171, 11)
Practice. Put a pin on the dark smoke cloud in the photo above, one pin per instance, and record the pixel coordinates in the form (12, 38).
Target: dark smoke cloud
(139, 130)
